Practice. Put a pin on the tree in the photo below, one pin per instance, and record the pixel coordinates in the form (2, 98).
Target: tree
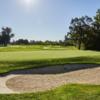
(68, 41)
(96, 28)
(22, 42)
(6, 36)
(79, 29)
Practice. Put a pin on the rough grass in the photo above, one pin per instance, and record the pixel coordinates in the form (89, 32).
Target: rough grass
(67, 92)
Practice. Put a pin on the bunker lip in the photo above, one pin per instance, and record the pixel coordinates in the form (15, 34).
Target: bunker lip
(42, 79)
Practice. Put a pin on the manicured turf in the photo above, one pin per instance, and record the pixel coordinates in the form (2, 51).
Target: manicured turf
(19, 59)
(34, 48)
(47, 54)
(67, 92)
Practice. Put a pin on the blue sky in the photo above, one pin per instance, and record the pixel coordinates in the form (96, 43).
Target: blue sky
(44, 19)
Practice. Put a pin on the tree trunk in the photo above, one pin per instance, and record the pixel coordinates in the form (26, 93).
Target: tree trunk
(79, 45)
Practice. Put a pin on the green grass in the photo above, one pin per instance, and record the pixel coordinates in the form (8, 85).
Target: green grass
(28, 58)
(47, 54)
(67, 92)
(34, 48)
(25, 57)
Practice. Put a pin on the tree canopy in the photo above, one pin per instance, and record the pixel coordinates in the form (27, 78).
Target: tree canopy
(85, 32)
(5, 36)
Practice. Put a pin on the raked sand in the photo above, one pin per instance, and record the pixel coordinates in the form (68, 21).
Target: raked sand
(42, 79)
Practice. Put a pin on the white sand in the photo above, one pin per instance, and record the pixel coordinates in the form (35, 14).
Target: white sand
(47, 78)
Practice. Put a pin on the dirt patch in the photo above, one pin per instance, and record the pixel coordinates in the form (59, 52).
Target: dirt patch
(47, 78)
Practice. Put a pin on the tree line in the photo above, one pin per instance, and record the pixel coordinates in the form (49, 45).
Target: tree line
(34, 42)
(84, 32)
(6, 35)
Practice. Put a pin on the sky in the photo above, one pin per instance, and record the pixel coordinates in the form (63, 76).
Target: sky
(43, 19)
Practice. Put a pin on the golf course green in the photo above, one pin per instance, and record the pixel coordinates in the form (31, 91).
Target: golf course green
(27, 57)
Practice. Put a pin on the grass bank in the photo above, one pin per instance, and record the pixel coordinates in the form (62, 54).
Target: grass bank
(67, 92)
(10, 61)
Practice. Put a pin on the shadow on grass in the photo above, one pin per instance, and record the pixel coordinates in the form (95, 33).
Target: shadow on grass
(50, 66)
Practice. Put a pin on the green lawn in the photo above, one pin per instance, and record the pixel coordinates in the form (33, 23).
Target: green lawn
(45, 54)
(67, 92)
(23, 57)
(18, 59)
(34, 48)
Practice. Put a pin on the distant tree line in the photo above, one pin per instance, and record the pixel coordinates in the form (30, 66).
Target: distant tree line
(6, 35)
(84, 32)
(33, 42)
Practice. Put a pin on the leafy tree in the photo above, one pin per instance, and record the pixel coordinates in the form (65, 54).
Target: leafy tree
(6, 36)
(79, 29)
(96, 28)
(22, 42)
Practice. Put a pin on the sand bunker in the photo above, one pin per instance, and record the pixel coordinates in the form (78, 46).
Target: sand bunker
(47, 78)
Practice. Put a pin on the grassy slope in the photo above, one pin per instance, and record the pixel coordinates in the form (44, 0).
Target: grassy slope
(28, 58)
(67, 92)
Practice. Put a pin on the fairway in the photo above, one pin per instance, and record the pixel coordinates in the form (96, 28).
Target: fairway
(41, 54)
(47, 54)
(30, 57)
(56, 66)
(28, 54)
